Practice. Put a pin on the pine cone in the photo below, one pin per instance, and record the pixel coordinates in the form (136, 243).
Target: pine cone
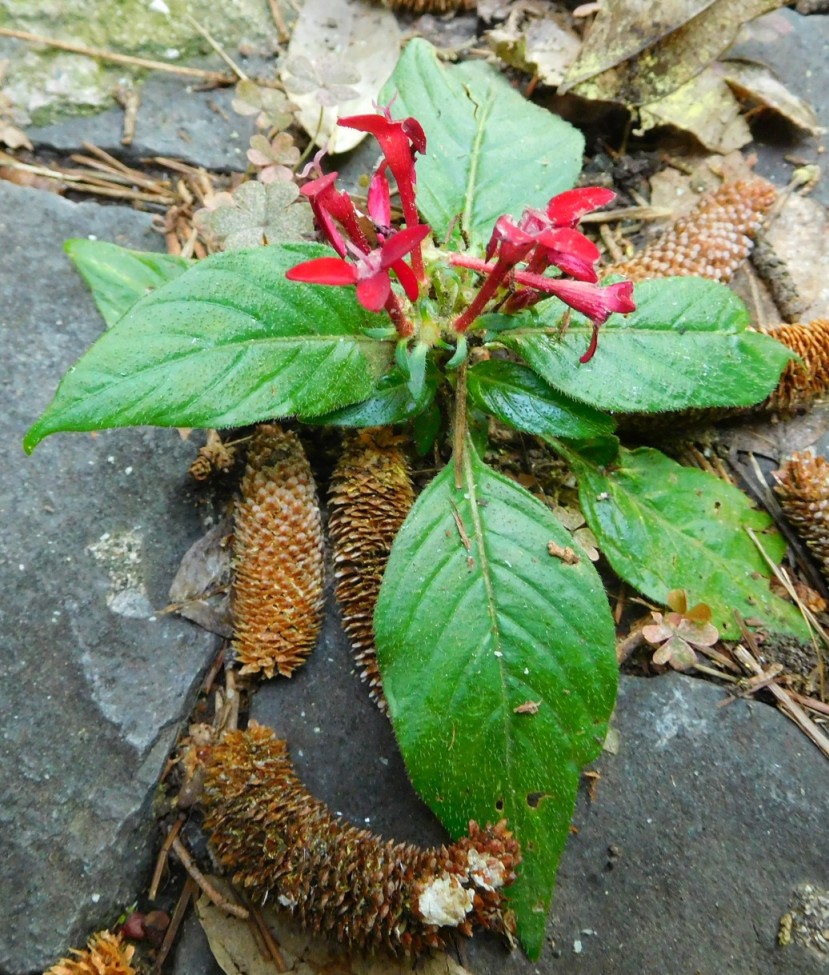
(801, 382)
(105, 954)
(803, 490)
(280, 842)
(278, 557)
(711, 241)
(369, 497)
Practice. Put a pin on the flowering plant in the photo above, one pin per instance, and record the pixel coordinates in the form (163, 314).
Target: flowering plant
(496, 650)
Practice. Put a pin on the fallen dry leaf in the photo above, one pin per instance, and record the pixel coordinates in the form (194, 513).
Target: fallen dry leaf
(201, 585)
(756, 83)
(363, 38)
(237, 951)
(638, 52)
(537, 39)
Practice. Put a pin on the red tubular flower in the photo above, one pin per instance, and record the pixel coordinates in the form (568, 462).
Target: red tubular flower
(570, 251)
(379, 201)
(370, 272)
(594, 301)
(400, 141)
(329, 205)
(566, 209)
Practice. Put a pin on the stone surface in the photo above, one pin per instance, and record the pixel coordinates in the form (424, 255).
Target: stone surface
(94, 680)
(47, 82)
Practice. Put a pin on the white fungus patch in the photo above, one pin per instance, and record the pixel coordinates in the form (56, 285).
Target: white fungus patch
(445, 902)
(486, 872)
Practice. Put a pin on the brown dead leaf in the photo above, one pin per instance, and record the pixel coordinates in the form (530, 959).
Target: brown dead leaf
(757, 83)
(640, 51)
(237, 951)
(704, 106)
(537, 39)
(200, 589)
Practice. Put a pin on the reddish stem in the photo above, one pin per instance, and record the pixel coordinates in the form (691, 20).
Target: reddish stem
(405, 328)
(497, 272)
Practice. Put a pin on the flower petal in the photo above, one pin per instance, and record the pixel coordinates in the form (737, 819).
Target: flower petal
(572, 252)
(323, 270)
(379, 199)
(566, 209)
(373, 292)
(407, 277)
(402, 243)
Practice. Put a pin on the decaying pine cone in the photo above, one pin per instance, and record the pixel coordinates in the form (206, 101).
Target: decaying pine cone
(213, 456)
(370, 495)
(430, 6)
(801, 382)
(711, 241)
(105, 954)
(803, 490)
(277, 592)
(279, 842)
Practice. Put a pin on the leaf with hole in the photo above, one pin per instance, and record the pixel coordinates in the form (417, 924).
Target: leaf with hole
(475, 618)
(228, 343)
(663, 527)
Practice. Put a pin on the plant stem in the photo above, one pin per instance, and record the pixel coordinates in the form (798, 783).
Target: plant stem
(459, 426)
(404, 326)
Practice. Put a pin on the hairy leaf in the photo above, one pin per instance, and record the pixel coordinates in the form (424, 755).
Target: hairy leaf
(228, 343)
(663, 527)
(475, 619)
(489, 150)
(685, 346)
(391, 402)
(118, 277)
(517, 396)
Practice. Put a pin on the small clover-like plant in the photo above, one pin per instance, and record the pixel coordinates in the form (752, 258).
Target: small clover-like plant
(484, 299)
(676, 634)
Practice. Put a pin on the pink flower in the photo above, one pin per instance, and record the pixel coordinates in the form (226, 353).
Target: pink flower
(370, 272)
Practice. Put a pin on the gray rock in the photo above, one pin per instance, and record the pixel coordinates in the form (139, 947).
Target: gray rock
(701, 826)
(174, 119)
(94, 680)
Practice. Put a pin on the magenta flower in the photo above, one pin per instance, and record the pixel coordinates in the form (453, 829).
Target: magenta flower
(370, 272)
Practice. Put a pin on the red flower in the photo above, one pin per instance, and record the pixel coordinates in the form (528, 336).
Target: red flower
(370, 272)
(566, 209)
(330, 205)
(400, 141)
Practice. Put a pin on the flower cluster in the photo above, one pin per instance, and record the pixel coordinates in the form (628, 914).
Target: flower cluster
(517, 259)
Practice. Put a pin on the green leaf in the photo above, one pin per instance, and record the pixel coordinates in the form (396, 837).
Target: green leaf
(118, 277)
(516, 396)
(489, 151)
(228, 343)
(663, 526)
(391, 402)
(475, 618)
(685, 346)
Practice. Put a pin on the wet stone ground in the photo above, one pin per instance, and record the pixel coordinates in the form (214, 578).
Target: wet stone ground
(683, 858)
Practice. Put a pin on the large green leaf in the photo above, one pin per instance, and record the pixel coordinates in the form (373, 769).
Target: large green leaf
(489, 151)
(118, 277)
(475, 618)
(517, 396)
(686, 345)
(391, 402)
(663, 526)
(229, 342)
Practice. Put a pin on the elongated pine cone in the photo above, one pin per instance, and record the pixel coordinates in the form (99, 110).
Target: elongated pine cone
(430, 6)
(711, 241)
(803, 490)
(802, 382)
(105, 954)
(278, 557)
(370, 495)
(280, 842)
